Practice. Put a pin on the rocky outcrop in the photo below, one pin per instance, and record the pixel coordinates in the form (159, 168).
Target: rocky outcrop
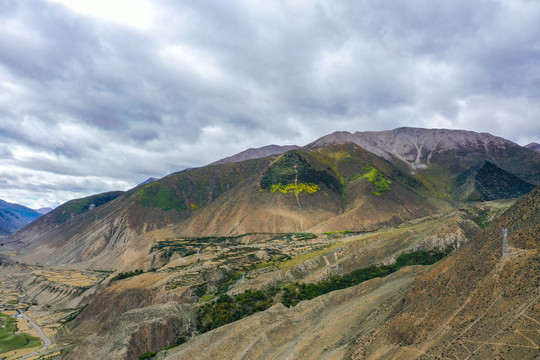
(43, 291)
(136, 332)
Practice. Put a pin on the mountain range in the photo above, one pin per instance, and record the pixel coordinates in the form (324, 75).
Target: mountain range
(253, 231)
(15, 216)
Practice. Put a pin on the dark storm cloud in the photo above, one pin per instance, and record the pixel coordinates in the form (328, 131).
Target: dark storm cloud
(92, 103)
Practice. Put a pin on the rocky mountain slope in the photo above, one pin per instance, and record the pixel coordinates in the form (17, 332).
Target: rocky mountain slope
(322, 328)
(116, 309)
(442, 153)
(15, 216)
(477, 303)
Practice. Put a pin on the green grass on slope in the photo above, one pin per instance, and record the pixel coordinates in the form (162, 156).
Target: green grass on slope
(10, 341)
(297, 292)
(79, 206)
(292, 166)
(161, 197)
(374, 176)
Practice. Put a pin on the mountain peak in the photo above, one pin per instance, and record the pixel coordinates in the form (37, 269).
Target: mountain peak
(486, 181)
(256, 153)
(419, 147)
(44, 210)
(533, 146)
(148, 181)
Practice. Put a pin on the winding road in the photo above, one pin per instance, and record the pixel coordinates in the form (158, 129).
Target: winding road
(44, 338)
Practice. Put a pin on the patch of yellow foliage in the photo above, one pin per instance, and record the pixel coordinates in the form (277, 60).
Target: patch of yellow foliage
(308, 188)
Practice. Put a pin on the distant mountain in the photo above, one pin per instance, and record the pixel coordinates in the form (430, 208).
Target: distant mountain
(533, 146)
(257, 153)
(44, 210)
(15, 216)
(148, 181)
(438, 155)
(487, 182)
(343, 182)
(343, 187)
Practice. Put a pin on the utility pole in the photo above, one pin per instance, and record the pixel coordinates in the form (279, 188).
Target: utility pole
(505, 250)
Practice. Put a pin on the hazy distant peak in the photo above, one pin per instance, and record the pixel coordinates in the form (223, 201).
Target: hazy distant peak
(15, 216)
(44, 210)
(256, 153)
(148, 181)
(533, 146)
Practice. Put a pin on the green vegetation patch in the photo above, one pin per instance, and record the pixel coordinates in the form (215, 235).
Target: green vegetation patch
(73, 315)
(10, 341)
(79, 206)
(127, 274)
(227, 309)
(291, 166)
(374, 176)
(294, 294)
(310, 188)
(162, 197)
(207, 297)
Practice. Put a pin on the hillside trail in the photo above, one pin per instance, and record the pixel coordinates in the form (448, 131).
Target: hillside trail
(423, 348)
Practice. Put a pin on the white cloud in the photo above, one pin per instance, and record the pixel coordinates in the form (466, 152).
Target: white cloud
(136, 13)
(99, 95)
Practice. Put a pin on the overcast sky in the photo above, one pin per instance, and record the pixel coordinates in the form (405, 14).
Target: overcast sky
(99, 95)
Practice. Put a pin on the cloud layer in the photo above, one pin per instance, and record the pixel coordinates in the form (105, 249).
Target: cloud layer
(97, 96)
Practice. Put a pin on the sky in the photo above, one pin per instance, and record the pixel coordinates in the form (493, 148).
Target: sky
(99, 95)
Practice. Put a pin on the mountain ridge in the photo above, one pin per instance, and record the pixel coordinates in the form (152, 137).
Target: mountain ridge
(256, 153)
(15, 216)
(342, 187)
(533, 146)
(420, 148)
